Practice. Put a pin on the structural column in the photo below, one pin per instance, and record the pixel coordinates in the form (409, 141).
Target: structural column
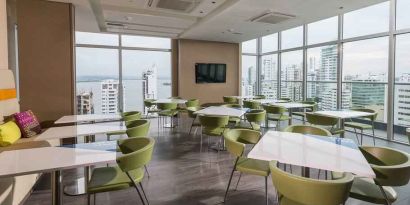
(3, 36)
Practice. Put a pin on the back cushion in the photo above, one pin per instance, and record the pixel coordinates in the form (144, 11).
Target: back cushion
(28, 123)
(9, 133)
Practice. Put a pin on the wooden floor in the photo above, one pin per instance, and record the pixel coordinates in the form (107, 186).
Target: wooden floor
(183, 174)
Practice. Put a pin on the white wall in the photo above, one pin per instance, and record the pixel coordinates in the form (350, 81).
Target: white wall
(3, 36)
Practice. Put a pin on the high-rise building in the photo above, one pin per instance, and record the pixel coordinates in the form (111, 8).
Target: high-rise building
(149, 83)
(402, 100)
(85, 104)
(109, 96)
(269, 86)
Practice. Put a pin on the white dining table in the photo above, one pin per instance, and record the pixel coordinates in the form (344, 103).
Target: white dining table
(269, 101)
(55, 160)
(291, 106)
(309, 151)
(343, 115)
(222, 111)
(88, 118)
(177, 101)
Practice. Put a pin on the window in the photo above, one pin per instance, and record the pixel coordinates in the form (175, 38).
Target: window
(292, 38)
(249, 46)
(96, 39)
(145, 42)
(369, 20)
(402, 87)
(269, 76)
(97, 69)
(323, 31)
(403, 15)
(322, 76)
(292, 75)
(365, 74)
(270, 43)
(248, 75)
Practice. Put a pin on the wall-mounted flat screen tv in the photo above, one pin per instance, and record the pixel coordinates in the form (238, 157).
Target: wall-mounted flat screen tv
(210, 73)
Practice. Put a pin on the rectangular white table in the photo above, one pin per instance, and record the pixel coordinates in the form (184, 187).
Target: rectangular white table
(222, 111)
(291, 106)
(343, 115)
(177, 101)
(90, 118)
(325, 153)
(54, 160)
(270, 101)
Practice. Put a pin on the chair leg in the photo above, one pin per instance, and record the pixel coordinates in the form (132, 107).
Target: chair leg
(361, 137)
(229, 184)
(374, 137)
(146, 170)
(145, 196)
(136, 187)
(88, 199)
(357, 137)
(239, 179)
(266, 190)
(385, 195)
(95, 198)
(191, 126)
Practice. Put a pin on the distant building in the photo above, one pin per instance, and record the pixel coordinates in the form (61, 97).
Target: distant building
(269, 83)
(149, 83)
(85, 104)
(402, 101)
(109, 96)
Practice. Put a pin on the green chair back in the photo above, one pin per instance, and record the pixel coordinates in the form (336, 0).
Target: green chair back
(230, 100)
(308, 129)
(132, 115)
(308, 191)
(243, 136)
(392, 167)
(138, 128)
(251, 104)
(232, 143)
(192, 103)
(167, 106)
(322, 120)
(232, 105)
(371, 117)
(259, 97)
(256, 116)
(149, 102)
(274, 109)
(213, 121)
(137, 152)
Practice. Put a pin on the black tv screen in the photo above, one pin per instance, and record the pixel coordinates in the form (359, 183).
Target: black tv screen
(210, 73)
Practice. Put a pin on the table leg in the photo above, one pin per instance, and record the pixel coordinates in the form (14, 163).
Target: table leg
(290, 116)
(56, 180)
(342, 126)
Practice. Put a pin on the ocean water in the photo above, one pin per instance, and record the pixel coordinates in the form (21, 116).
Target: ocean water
(133, 96)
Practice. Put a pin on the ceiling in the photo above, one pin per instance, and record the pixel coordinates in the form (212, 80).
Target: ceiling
(213, 20)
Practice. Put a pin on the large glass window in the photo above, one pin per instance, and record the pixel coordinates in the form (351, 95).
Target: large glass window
(96, 39)
(249, 46)
(323, 31)
(145, 42)
(249, 73)
(292, 38)
(322, 76)
(403, 14)
(369, 20)
(402, 87)
(292, 75)
(269, 76)
(270, 43)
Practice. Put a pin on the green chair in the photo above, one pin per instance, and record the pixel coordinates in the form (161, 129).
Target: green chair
(329, 123)
(363, 126)
(242, 164)
(308, 129)
(192, 103)
(297, 190)
(193, 116)
(166, 110)
(251, 104)
(175, 98)
(286, 99)
(230, 99)
(213, 126)
(150, 106)
(128, 117)
(233, 120)
(254, 119)
(314, 108)
(136, 152)
(392, 168)
(259, 97)
(138, 128)
(276, 114)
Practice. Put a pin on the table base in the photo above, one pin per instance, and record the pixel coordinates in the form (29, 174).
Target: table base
(75, 188)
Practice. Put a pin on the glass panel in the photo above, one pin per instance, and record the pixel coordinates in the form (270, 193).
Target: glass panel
(145, 42)
(402, 87)
(325, 94)
(96, 38)
(248, 75)
(249, 46)
(292, 66)
(403, 14)
(369, 20)
(365, 71)
(292, 38)
(146, 75)
(270, 43)
(292, 90)
(97, 80)
(269, 76)
(323, 31)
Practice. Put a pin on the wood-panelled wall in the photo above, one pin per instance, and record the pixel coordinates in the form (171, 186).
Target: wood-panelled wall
(46, 58)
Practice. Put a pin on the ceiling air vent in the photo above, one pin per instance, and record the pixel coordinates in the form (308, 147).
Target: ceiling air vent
(272, 17)
(185, 6)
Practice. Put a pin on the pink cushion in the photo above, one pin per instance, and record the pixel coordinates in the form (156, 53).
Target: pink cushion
(27, 123)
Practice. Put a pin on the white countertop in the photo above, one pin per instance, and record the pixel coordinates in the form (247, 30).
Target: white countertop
(88, 118)
(344, 114)
(291, 105)
(312, 151)
(177, 101)
(220, 110)
(47, 159)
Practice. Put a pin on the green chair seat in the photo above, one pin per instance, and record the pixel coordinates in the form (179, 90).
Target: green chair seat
(247, 125)
(366, 190)
(216, 132)
(106, 179)
(358, 125)
(336, 131)
(253, 166)
(278, 117)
